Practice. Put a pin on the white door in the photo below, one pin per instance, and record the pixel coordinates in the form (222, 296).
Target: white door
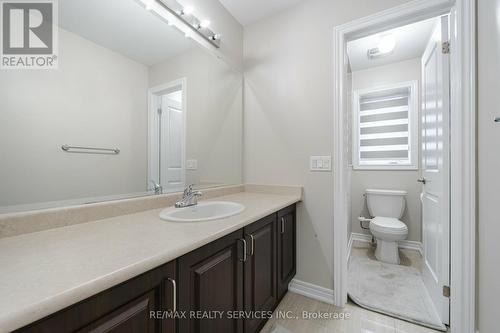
(171, 143)
(435, 167)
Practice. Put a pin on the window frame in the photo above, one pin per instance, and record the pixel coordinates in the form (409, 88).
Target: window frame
(413, 116)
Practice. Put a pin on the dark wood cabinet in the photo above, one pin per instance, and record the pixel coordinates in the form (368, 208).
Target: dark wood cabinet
(261, 294)
(211, 280)
(228, 286)
(287, 243)
(131, 317)
(123, 308)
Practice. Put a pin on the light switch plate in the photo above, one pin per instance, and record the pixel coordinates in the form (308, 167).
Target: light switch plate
(191, 164)
(320, 163)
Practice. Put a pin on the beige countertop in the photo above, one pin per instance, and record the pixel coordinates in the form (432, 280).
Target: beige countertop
(46, 271)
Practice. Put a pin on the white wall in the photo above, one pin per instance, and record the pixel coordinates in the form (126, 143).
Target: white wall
(96, 98)
(214, 114)
(288, 115)
(404, 71)
(488, 165)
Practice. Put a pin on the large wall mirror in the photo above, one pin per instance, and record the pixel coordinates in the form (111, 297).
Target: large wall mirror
(162, 111)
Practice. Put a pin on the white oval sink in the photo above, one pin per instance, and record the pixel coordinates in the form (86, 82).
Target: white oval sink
(203, 211)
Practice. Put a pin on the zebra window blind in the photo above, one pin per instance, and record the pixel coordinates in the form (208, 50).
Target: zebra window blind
(384, 128)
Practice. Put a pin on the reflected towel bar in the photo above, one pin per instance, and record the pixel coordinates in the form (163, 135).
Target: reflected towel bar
(67, 148)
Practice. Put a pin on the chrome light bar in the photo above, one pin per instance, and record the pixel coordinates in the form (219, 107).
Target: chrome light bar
(195, 24)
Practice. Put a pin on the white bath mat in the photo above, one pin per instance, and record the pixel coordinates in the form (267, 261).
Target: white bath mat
(394, 290)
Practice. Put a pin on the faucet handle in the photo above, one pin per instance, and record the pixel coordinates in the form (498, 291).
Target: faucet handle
(188, 190)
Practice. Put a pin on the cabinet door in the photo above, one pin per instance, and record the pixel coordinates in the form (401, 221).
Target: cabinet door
(211, 286)
(286, 248)
(261, 294)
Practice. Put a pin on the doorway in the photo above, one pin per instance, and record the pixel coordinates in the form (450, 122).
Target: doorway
(167, 138)
(459, 250)
(399, 202)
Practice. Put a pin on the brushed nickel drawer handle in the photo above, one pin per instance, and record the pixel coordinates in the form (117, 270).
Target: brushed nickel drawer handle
(174, 294)
(244, 250)
(252, 251)
(282, 225)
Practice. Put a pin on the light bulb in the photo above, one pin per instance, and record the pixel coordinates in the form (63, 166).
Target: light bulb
(148, 5)
(386, 43)
(205, 24)
(187, 10)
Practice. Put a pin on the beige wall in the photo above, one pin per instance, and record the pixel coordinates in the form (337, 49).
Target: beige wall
(95, 98)
(408, 70)
(288, 115)
(214, 114)
(488, 165)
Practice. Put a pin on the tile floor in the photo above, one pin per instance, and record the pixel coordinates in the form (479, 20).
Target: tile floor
(355, 320)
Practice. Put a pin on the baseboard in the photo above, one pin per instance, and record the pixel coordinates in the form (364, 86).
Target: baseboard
(311, 290)
(412, 245)
(406, 244)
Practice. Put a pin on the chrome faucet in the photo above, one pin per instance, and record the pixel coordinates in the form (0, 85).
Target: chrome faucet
(189, 198)
(157, 187)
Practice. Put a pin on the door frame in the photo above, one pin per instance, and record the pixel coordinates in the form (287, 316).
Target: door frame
(153, 146)
(462, 142)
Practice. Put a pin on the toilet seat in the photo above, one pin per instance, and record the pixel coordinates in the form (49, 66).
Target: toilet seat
(388, 225)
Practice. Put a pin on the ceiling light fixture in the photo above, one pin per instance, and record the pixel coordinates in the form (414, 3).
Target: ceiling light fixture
(386, 43)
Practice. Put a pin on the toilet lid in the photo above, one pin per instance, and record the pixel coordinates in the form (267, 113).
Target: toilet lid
(388, 225)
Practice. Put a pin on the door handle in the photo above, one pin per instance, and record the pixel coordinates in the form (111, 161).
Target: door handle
(497, 119)
(422, 180)
(174, 294)
(282, 225)
(252, 249)
(244, 249)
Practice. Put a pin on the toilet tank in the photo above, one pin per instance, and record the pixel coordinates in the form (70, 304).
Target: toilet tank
(387, 203)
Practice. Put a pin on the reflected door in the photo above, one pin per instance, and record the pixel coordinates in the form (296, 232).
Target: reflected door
(171, 143)
(435, 167)
(167, 138)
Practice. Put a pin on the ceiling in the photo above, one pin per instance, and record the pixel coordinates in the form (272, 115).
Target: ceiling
(410, 43)
(250, 11)
(123, 26)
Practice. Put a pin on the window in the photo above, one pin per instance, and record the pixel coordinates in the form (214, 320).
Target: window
(385, 127)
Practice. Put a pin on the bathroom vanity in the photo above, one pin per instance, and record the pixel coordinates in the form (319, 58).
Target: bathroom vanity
(241, 263)
(219, 276)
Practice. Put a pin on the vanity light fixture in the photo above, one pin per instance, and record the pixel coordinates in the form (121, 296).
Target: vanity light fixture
(188, 10)
(148, 4)
(205, 24)
(192, 25)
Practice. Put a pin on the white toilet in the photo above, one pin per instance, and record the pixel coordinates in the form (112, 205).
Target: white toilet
(386, 207)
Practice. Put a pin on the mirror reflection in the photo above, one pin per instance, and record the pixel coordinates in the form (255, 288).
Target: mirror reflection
(134, 108)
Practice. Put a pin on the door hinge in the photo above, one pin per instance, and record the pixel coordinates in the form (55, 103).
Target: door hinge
(446, 291)
(445, 46)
